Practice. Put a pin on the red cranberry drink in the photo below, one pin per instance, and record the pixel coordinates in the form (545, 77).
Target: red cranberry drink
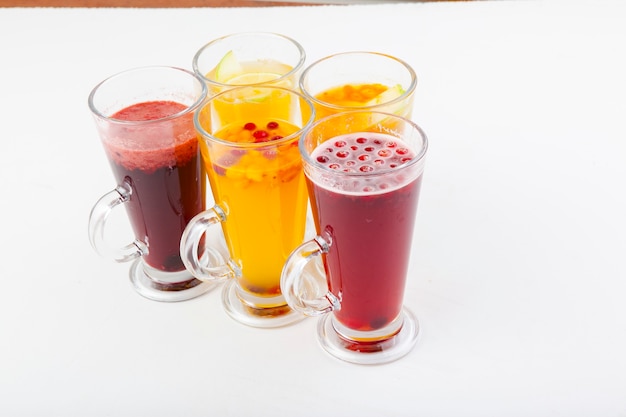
(144, 117)
(363, 170)
(370, 223)
(166, 176)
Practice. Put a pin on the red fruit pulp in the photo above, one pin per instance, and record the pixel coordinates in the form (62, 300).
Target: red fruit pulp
(162, 165)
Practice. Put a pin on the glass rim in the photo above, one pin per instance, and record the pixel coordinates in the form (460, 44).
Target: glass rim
(252, 145)
(188, 108)
(306, 155)
(411, 88)
(296, 68)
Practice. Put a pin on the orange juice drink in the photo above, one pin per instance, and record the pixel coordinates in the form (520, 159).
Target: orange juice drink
(350, 97)
(249, 146)
(355, 96)
(352, 81)
(265, 187)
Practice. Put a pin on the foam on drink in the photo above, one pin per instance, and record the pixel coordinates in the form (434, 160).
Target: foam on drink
(157, 144)
(365, 153)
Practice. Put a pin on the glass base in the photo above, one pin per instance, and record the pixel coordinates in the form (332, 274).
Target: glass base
(369, 353)
(169, 286)
(248, 314)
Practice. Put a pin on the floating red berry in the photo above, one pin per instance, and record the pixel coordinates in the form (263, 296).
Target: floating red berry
(249, 126)
(260, 135)
(272, 125)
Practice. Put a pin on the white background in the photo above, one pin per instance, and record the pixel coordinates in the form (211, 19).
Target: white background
(517, 275)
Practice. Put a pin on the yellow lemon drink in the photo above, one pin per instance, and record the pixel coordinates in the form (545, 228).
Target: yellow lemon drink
(256, 75)
(230, 72)
(262, 184)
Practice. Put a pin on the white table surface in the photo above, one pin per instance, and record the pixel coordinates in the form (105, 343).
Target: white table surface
(518, 274)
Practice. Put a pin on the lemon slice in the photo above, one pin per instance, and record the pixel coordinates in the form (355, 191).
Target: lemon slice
(390, 94)
(401, 108)
(252, 94)
(227, 68)
(252, 78)
(256, 95)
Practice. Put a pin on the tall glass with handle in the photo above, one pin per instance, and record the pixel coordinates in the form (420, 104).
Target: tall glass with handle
(144, 117)
(249, 137)
(364, 173)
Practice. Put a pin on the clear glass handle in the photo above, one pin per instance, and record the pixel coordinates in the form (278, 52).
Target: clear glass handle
(303, 283)
(210, 265)
(97, 222)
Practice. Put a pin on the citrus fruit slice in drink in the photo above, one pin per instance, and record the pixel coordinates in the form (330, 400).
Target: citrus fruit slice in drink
(227, 68)
(256, 95)
(399, 108)
(258, 78)
(386, 96)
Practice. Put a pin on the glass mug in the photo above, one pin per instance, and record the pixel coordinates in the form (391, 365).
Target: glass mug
(144, 118)
(249, 58)
(249, 145)
(364, 181)
(359, 80)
